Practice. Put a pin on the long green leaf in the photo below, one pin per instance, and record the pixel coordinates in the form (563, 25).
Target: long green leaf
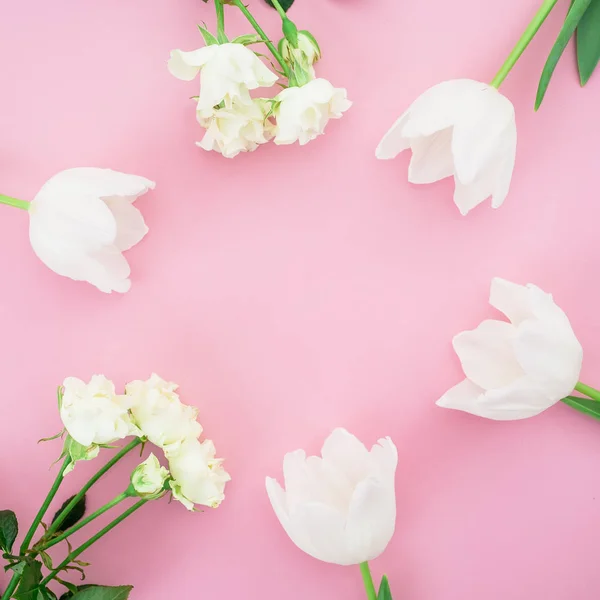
(384, 589)
(588, 407)
(102, 592)
(588, 41)
(29, 585)
(9, 528)
(574, 16)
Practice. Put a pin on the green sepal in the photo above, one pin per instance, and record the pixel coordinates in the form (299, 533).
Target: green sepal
(247, 39)
(209, 38)
(588, 42)
(583, 405)
(9, 529)
(574, 16)
(384, 589)
(290, 32)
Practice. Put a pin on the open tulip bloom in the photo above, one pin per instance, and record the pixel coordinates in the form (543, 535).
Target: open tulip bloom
(466, 129)
(340, 507)
(81, 222)
(518, 368)
(94, 417)
(233, 120)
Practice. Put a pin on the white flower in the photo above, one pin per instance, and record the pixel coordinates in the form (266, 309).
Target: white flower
(198, 477)
(160, 414)
(83, 219)
(306, 54)
(516, 370)
(241, 128)
(462, 128)
(92, 413)
(227, 72)
(148, 478)
(340, 508)
(303, 112)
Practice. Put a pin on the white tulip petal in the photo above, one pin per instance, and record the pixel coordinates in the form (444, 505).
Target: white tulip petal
(109, 271)
(371, 519)
(520, 400)
(463, 396)
(347, 454)
(131, 227)
(506, 156)
(385, 455)
(393, 141)
(551, 356)
(487, 355)
(467, 197)
(186, 65)
(432, 158)
(511, 299)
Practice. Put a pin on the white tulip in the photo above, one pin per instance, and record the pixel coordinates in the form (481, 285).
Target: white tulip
(83, 219)
(198, 477)
(303, 112)
(241, 128)
(340, 508)
(92, 413)
(519, 369)
(462, 128)
(148, 478)
(159, 413)
(227, 72)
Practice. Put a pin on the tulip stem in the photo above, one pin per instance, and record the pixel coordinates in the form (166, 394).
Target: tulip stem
(591, 392)
(114, 460)
(528, 35)
(265, 38)
(221, 37)
(65, 534)
(368, 581)
(40, 515)
(73, 555)
(14, 202)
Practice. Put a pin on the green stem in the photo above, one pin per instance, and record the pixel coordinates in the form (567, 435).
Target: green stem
(40, 515)
(73, 555)
(279, 9)
(532, 29)
(591, 392)
(65, 534)
(263, 35)
(12, 586)
(368, 581)
(221, 37)
(113, 461)
(14, 202)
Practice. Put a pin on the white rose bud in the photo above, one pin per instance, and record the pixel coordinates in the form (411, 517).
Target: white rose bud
(148, 478)
(160, 414)
(306, 54)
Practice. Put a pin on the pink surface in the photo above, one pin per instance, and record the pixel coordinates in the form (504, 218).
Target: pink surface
(297, 289)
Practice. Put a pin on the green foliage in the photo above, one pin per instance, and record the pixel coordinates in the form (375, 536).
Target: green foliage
(384, 589)
(102, 592)
(73, 516)
(9, 528)
(30, 580)
(209, 38)
(588, 42)
(574, 16)
(588, 407)
(285, 4)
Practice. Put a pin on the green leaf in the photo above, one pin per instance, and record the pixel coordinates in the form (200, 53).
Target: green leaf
(209, 38)
(588, 41)
(74, 515)
(384, 589)
(9, 528)
(588, 407)
(247, 39)
(47, 594)
(574, 16)
(101, 592)
(285, 4)
(29, 585)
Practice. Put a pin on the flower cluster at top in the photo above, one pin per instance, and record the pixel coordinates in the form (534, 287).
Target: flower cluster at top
(233, 120)
(94, 416)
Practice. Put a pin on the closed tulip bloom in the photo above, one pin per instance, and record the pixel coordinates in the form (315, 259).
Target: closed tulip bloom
(83, 219)
(519, 369)
(227, 72)
(341, 507)
(460, 128)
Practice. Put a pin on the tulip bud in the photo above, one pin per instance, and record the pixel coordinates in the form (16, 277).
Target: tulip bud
(148, 479)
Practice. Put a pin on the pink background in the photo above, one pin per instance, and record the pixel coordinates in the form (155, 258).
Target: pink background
(293, 290)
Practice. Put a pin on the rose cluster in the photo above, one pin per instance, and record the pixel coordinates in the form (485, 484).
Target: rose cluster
(94, 416)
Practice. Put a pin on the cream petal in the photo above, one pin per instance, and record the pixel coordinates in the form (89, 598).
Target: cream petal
(511, 299)
(131, 227)
(344, 452)
(519, 400)
(385, 455)
(463, 396)
(393, 141)
(487, 355)
(506, 164)
(186, 65)
(432, 158)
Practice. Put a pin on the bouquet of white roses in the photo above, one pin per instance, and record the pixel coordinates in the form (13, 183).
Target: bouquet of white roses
(94, 417)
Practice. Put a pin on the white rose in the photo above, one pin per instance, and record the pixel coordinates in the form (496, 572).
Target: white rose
(305, 54)
(227, 72)
(92, 413)
(303, 112)
(198, 477)
(83, 219)
(148, 478)
(160, 414)
(459, 128)
(241, 128)
(516, 370)
(340, 508)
